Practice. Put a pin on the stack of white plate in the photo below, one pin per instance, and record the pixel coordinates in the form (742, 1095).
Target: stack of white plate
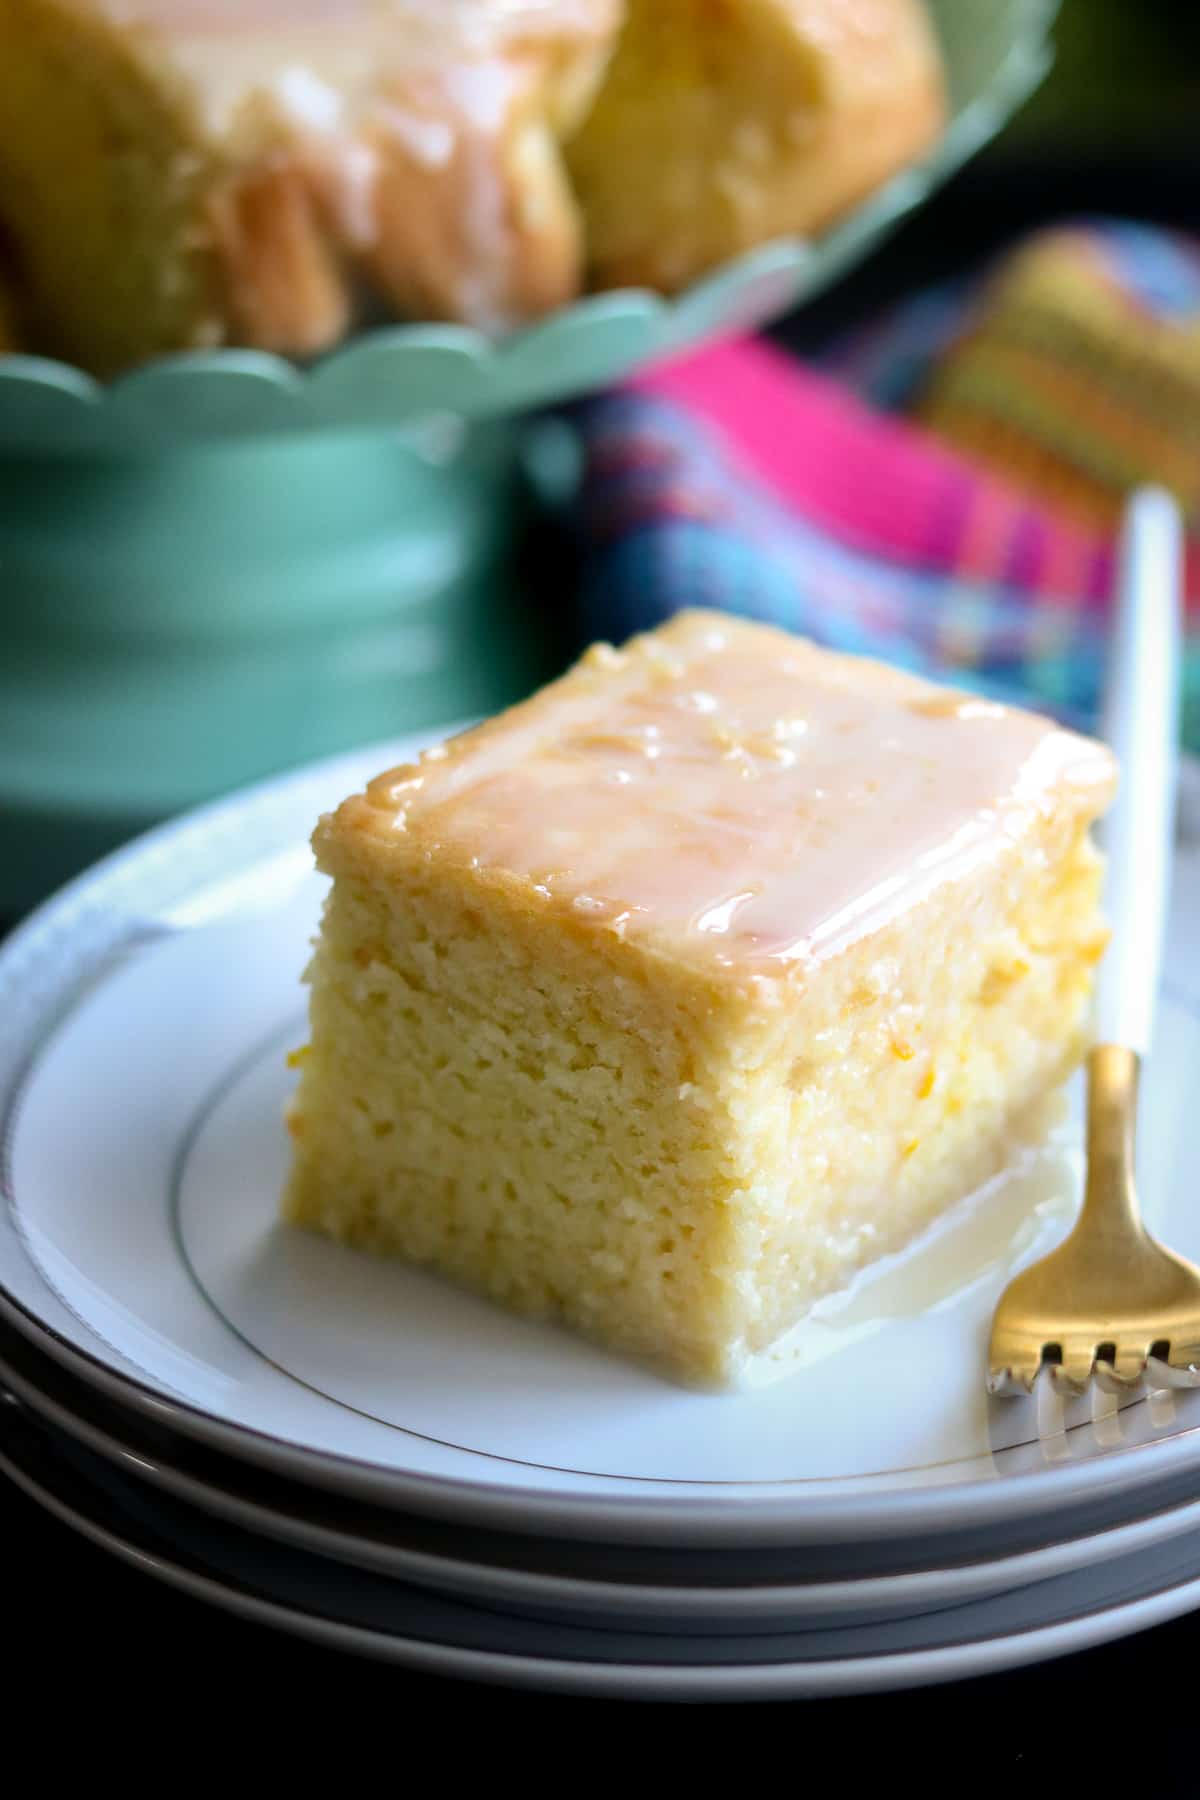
(358, 1453)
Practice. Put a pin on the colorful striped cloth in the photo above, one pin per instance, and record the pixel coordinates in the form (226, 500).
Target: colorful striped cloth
(741, 479)
(1072, 365)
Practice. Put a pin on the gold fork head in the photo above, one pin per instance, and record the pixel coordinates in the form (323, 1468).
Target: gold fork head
(1110, 1298)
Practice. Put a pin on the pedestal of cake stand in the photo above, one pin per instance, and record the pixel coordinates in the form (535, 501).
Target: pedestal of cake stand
(177, 623)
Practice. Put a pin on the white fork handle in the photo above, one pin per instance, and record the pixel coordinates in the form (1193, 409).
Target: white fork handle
(1141, 723)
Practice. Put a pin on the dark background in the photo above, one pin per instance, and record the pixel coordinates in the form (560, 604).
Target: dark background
(1115, 130)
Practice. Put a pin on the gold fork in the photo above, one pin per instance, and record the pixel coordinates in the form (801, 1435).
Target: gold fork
(1111, 1298)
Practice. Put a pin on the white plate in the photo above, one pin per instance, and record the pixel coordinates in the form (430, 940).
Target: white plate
(145, 1013)
(348, 1610)
(572, 1582)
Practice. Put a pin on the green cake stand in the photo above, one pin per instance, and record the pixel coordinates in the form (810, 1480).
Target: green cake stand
(222, 564)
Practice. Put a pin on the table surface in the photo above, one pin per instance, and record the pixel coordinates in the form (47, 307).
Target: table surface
(115, 1635)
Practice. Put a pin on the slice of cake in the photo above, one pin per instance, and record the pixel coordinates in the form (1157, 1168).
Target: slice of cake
(665, 1001)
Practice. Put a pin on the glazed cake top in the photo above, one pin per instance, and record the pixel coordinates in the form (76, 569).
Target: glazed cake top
(312, 59)
(452, 21)
(254, 14)
(725, 790)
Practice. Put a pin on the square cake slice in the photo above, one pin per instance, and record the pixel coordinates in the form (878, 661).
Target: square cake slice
(665, 1001)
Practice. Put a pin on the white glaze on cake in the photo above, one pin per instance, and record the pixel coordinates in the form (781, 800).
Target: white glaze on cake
(711, 803)
(475, 19)
(346, 89)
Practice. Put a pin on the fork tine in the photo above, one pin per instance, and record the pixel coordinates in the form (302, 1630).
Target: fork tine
(1011, 1377)
(1182, 1368)
(1183, 1351)
(1013, 1363)
(1126, 1371)
(1074, 1372)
